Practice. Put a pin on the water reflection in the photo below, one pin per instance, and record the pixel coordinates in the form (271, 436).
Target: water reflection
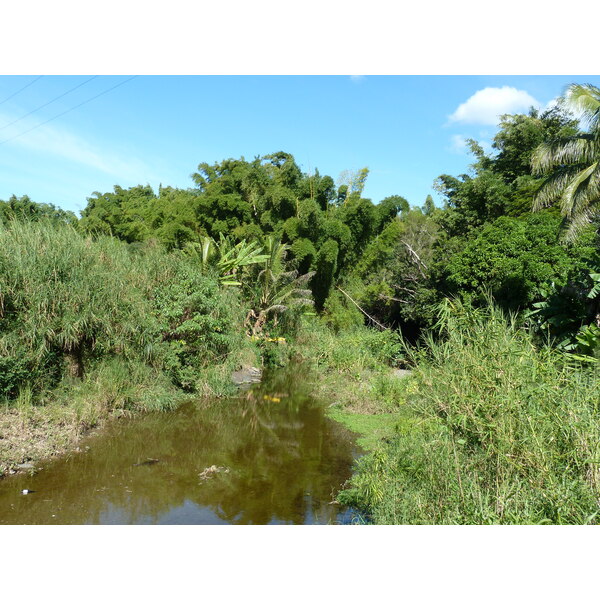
(270, 456)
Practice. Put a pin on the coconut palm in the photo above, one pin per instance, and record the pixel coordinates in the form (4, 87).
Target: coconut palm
(572, 164)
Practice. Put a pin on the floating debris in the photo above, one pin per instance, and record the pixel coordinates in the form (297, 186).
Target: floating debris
(212, 470)
(150, 461)
(25, 492)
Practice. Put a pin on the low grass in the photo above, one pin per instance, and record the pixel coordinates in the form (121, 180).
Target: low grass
(354, 366)
(371, 428)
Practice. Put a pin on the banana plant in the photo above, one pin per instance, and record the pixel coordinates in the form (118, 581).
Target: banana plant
(232, 258)
(564, 317)
(227, 258)
(278, 290)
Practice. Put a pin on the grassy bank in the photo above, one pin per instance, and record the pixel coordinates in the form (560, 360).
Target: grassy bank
(353, 365)
(496, 431)
(355, 373)
(97, 328)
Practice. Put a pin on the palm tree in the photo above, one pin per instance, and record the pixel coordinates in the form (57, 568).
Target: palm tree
(572, 164)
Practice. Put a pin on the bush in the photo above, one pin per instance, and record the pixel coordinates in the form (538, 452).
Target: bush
(68, 303)
(198, 323)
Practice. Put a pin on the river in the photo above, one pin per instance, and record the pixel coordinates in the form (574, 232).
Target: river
(268, 456)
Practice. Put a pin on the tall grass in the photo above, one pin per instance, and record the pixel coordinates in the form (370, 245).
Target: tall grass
(353, 365)
(501, 432)
(62, 294)
(69, 303)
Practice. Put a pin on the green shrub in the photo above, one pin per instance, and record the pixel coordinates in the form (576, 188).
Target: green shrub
(68, 303)
(515, 258)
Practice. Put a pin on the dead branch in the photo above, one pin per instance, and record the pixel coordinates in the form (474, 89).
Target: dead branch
(384, 297)
(403, 289)
(417, 260)
(383, 327)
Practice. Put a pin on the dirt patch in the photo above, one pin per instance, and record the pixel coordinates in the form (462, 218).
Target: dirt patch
(37, 434)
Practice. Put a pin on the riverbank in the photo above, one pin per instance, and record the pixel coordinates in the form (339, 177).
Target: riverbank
(268, 455)
(351, 370)
(35, 429)
(37, 435)
(356, 374)
(487, 428)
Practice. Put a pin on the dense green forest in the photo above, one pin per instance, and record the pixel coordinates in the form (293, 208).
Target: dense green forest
(491, 298)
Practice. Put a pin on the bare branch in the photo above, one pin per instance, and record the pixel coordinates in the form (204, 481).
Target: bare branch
(383, 327)
(417, 260)
(404, 289)
(384, 297)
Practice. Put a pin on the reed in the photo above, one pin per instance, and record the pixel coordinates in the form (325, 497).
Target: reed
(500, 432)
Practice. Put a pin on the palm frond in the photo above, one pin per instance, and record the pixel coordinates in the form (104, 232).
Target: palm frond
(553, 188)
(584, 99)
(578, 149)
(575, 197)
(572, 163)
(580, 221)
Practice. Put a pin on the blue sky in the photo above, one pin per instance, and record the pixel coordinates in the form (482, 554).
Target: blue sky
(157, 129)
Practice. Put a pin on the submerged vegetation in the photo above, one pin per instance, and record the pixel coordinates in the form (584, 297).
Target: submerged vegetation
(461, 341)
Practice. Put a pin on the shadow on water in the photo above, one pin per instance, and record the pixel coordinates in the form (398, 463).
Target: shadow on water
(270, 456)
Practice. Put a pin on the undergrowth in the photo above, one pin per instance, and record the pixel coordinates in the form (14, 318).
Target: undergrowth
(499, 432)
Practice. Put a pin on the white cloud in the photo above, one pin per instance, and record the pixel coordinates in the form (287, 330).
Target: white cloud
(357, 78)
(60, 143)
(458, 144)
(485, 106)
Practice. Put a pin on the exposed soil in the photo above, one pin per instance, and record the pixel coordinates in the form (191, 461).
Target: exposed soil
(34, 435)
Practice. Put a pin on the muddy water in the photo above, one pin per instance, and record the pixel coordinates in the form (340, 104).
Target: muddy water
(270, 456)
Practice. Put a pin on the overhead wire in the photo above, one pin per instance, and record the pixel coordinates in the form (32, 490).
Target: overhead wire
(67, 111)
(21, 89)
(47, 103)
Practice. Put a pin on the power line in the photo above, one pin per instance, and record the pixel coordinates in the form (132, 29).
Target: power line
(69, 110)
(19, 91)
(47, 103)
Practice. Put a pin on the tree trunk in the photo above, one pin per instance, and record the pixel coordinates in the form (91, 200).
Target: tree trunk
(74, 362)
